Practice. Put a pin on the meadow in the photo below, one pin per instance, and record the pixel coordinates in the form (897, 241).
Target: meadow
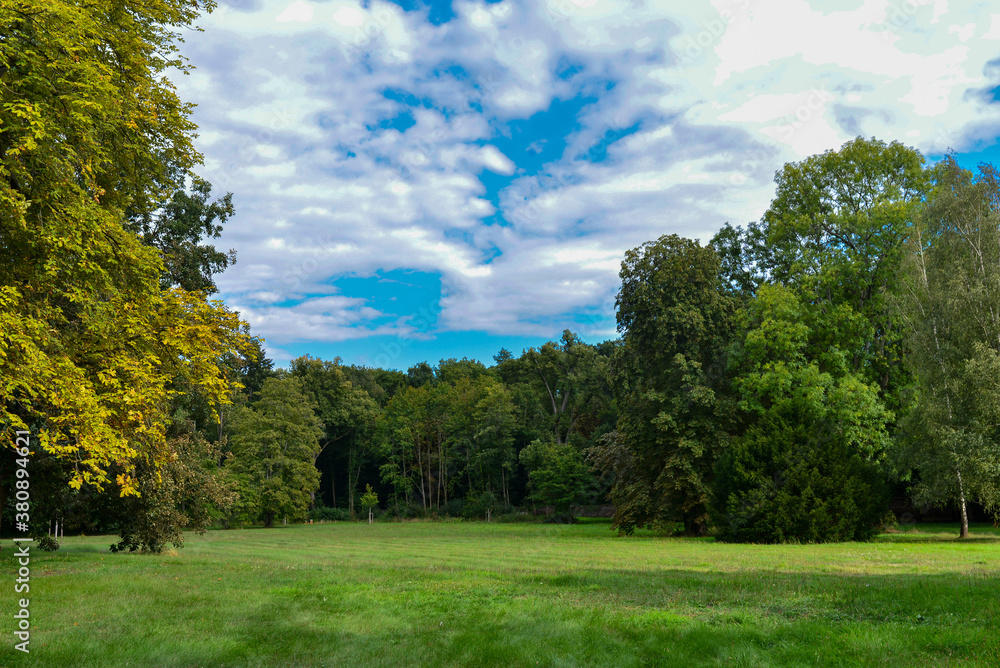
(478, 594)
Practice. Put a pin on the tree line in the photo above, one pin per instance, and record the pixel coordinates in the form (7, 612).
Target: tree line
(771, 385)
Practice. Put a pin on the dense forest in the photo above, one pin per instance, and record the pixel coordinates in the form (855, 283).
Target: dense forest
(778, 383)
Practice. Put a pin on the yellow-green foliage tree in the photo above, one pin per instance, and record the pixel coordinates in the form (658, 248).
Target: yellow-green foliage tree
(90, 346)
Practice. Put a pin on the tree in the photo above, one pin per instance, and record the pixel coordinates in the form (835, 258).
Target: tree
(399, 437)
(745, 257)
(90, 345)
(369, 500)
(807, 465)
(176, 228)
(568, 377)
(494, 422)
(675, 315)
(835, 232)
(348, 415)
(274, 443)
(420, 374)
(556, 473)
(187, 492)
(950, 302)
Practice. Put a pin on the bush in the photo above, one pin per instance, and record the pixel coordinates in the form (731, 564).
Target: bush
(404, 511)
(454, 508)
(561, 518)
(797, 487)
(476, 505)
(556, 473)
(47, 543)
(323, 513)
(182, 494)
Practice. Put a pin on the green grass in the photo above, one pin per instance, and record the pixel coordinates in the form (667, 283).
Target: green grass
(475, 594)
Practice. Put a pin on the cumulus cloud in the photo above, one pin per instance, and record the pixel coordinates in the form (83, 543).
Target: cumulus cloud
(360, 137)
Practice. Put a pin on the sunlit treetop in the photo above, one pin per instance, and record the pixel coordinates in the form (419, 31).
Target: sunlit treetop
(90, 128)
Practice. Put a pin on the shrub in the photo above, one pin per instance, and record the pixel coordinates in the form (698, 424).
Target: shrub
(477, 503)
(454, 508)
(797, 487)
(405, 511)
(556, 473)
(324, 513)
(47, 543)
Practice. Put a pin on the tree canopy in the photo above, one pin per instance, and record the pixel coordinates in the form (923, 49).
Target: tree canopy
(91, 345)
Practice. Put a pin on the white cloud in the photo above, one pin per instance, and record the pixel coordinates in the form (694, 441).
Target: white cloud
(300, 105)
(298, 11)
(496, 161)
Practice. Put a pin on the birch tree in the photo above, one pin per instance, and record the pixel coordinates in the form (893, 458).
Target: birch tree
(950, 302)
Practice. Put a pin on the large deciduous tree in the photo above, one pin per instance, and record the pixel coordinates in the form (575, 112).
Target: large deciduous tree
(568, 376)
(90, 347)
(178, 226)
(675, 316)
(835, 232)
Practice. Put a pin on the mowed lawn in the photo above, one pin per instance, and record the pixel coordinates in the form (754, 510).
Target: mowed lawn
(477, 594)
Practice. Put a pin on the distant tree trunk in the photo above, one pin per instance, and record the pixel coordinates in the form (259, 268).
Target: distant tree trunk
(964, 531)
(468, 467)
(444, 484)
(695, 525)
(354, 484)
(420, 467)
(430, 477)
(440, 476)
(6, 476)
(333, 484)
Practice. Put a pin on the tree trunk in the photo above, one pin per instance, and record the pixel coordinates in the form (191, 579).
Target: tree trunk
(695, 526)
(420, 467)
(6, 475)
(468, 467)
(430, 478)
(353, 485)
(964, 531)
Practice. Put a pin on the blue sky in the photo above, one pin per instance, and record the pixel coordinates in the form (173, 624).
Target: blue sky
(415, 181)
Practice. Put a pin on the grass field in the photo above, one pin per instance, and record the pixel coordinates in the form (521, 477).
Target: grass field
(476, 594)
